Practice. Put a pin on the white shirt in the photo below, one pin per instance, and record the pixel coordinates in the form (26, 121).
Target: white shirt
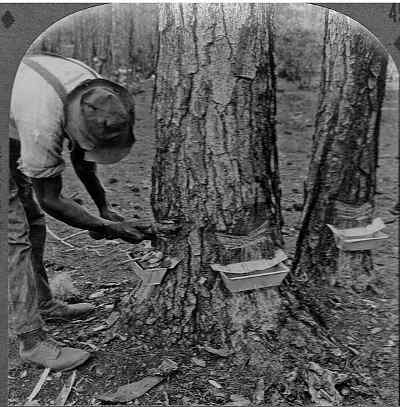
(38, 113)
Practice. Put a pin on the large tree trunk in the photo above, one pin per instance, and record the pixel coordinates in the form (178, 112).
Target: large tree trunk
(342, 175)
(216, 169)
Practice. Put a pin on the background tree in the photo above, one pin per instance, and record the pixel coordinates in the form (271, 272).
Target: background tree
(110, 38)
(120, 35)
(216, 169)
(341, 182)
(299, 42)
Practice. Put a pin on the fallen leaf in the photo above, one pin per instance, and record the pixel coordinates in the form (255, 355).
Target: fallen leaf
(90, 344)
(99, 371)
(84, 321)
(131, 391)
(113, 318)
(215, 384)
(62, 287)
(337, 352)
(32, 403)
(355, 351)
(219, 352)
(375, 289)
(238, 400)
(219, 395)
(258, 396)
(109, 336)
(198, 362)
(99, 328)
(97, 294)
(66, 390)
(23, 374)
(166, 367)
(318, 379)
(122, 337)
(113, 284)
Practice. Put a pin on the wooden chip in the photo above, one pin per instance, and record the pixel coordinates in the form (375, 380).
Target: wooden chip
(131, 391)
(39, 384)
(33, 403)
(198, 362)
(258, 396)
(215, 384)
(219, 352)
(113, 318)
(66, 390)
(99, 328)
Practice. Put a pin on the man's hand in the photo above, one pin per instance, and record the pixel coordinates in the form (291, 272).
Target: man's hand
(136, 231)
(124, 230)
(157, 229)
(109, 215)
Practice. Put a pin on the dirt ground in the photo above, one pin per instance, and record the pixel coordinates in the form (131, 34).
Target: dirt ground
(368, 322)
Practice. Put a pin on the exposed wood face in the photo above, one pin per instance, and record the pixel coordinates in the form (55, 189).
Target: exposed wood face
(342, 171)
(216, 167)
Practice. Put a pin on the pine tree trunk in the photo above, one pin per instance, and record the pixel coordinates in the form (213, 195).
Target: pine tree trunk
(216, 168)
(103, 40)
(342, 175)
(120, 35)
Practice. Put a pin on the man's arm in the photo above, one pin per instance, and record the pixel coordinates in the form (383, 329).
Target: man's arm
(86, 171)
(48, 192)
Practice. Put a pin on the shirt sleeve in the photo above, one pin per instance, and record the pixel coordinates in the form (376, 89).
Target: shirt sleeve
(39, 128)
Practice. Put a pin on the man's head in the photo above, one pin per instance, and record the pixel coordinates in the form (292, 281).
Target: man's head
(99, 117)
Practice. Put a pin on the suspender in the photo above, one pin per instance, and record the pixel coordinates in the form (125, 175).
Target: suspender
(75, 61)
(48, 77)
(51, 79)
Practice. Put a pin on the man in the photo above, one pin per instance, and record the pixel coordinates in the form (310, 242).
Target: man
(57, 100)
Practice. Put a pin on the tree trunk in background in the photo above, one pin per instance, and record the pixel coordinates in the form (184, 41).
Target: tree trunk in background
(115, 39)
(102, 40)
(342, 176)
(120, 33)
(216, 168)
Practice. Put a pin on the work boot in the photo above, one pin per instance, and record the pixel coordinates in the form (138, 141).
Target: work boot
(36, 348)
(58, 309)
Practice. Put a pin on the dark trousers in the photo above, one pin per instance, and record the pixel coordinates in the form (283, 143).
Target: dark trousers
(36, 223)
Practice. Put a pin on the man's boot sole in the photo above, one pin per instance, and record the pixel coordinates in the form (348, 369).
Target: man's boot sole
(78, 363)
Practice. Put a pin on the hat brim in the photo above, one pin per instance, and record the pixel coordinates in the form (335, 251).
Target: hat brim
(109, 153)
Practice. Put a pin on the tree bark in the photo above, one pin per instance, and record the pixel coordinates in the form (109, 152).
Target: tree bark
(341, 182)
(216, 169)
